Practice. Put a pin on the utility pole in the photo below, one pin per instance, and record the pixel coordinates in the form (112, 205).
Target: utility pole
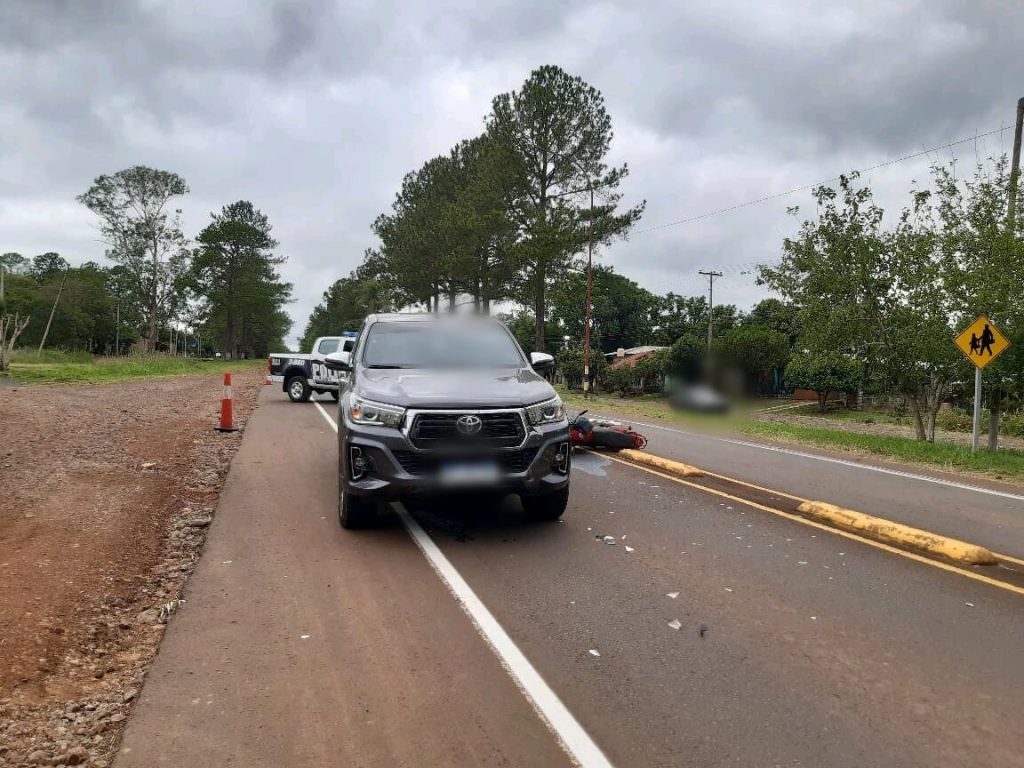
(995, 403)
(710, 275)
(590, 278)
(2, 270)
(60, 290)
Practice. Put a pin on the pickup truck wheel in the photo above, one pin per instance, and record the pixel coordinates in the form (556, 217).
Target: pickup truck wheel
(355, 512)
(548, 507)
(298, 389)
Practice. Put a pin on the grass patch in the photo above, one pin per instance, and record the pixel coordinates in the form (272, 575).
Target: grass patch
(949, 456)
(52, 356)
(112, 369)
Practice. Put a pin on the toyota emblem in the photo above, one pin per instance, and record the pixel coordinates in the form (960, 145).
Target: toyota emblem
(468, 424)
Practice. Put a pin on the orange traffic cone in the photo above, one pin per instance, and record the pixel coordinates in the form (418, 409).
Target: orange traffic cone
(227, 421)
(266, 379)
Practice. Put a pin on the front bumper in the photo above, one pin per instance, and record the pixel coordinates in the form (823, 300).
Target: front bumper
(397, 468)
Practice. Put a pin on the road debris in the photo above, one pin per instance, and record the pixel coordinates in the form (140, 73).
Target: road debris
(672, 595)
(606, 539)
(675, 624)
(703, 629)
(168, 608)
(593, 652)
(304, 637)
(629, 549)
(969, 605)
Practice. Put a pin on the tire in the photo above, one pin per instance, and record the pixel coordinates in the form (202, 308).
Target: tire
(546, 508)
(355, 512)
(298, 389)
(336, 395)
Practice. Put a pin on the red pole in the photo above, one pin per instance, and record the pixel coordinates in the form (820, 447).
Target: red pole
(227, 422)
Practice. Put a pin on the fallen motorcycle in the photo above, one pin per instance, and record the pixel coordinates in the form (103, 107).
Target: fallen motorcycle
(604, 434)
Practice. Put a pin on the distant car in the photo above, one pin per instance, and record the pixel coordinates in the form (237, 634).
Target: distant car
(700, 398)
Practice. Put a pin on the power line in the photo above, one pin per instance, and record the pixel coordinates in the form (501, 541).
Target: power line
(805, 187)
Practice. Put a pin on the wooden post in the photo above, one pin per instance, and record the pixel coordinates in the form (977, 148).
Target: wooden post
(60, 290)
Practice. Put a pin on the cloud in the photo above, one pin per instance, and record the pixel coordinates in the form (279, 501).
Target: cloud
(314, 110)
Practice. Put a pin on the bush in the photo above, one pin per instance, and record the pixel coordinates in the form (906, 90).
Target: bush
(954, 420)
(823, 372)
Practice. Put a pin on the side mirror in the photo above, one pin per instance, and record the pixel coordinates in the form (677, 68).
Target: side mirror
(541, 361)
(338, 361)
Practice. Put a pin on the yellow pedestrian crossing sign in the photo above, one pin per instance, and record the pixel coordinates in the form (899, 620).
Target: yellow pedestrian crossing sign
(982, 342)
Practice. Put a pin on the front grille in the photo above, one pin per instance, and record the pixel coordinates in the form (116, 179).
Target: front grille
(511, 462)
(438, 430)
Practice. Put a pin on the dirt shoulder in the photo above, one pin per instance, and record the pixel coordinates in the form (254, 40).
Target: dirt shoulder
(105, 495)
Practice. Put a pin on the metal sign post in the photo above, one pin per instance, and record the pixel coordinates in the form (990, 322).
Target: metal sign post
(981, 342)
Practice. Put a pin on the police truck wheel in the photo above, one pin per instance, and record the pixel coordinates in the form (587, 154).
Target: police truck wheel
(335, 395)
(546, 508)
(355, 512)
(298, 389)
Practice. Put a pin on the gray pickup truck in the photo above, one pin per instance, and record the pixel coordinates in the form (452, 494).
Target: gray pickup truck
(437, 404)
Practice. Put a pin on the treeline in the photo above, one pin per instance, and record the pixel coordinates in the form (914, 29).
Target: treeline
(165, 291)
(500, 217)
(881, 298)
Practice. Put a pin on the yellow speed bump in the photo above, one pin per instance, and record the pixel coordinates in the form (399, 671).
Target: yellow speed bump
(665, 465)
(901, 535)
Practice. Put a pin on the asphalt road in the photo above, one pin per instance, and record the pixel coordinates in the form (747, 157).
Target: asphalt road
(302, 644)
(983, 512)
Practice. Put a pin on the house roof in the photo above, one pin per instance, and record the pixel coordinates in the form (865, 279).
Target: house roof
(631, 360)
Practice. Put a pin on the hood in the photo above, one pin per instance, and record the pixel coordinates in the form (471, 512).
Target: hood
(454, 389)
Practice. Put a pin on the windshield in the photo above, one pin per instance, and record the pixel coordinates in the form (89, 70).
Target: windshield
(440, 345)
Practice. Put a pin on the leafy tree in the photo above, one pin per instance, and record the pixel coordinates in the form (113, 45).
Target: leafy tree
(778, 316)
(47, 266)
(824, 373)
(522, 326)
(686, 357)
(755, 350)
(234, 270)
(874, 292)
(346, 304)
(557, 133)
(143, 236)
(621, 311)
(688, 315)
(569, 363)
(12, 262)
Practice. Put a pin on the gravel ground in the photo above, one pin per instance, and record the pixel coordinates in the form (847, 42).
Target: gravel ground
(106, 493)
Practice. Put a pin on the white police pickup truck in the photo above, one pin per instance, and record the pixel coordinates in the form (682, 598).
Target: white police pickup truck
(302, 375)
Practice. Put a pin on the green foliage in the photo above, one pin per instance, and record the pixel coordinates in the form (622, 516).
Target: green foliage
(144, 237)
(688, 316)
(621, 311)
(234, 272)
(345, 304)
(780, 317)
(569, 363)
(109, 370)
(686, 357)
(755, 350)
(823, 372)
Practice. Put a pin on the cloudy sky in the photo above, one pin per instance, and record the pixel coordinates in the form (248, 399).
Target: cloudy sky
(314, 109)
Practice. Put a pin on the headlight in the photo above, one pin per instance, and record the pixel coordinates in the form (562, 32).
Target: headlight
(548, 412)
(367, 412)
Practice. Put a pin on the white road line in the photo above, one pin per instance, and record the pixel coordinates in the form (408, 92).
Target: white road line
(830, 460)
(566, 728)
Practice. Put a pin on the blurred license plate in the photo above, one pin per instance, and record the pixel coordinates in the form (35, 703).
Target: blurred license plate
(469, 472)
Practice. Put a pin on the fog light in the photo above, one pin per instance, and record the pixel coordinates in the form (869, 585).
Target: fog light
(562, 458)
(358, 464)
